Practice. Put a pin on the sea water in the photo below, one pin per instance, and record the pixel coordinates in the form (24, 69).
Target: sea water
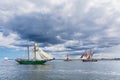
(61, 70)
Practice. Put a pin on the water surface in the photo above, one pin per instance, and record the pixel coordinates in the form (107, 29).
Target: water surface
(61, 70)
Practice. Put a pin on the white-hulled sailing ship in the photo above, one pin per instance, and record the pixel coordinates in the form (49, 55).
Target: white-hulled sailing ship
(38, 56)
(87, 57)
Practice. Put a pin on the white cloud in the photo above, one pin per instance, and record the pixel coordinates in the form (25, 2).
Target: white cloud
(95, 38)
(57, 2)
(112, 52)
(11, 8)
(72, 42)
(53, 48)
(78, 34)
(113, 32)
(7, 41)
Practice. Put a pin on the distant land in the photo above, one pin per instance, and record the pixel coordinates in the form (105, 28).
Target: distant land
(100, 59)
(97, 59)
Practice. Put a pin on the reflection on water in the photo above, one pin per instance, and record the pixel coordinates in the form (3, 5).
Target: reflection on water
(61, 70)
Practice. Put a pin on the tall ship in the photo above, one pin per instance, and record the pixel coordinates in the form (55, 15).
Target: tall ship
(87, 57)
(38, 56)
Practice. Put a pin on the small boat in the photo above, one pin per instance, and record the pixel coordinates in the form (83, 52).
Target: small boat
(38, 56)
(88, 57)
(67, 59)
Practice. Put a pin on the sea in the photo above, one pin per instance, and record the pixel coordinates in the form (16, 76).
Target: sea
(61, 70)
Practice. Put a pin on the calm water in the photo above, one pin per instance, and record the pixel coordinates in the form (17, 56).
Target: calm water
(60, 70)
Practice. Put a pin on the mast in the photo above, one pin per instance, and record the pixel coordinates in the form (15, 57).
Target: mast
(67, 57)
(28, 52)
(35, 50)
(91, 53)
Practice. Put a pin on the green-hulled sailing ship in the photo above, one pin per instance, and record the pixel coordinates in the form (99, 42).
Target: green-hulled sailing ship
(38, 56)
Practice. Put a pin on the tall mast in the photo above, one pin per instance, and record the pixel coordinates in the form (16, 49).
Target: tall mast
(35, 50)
(67, 55)
(91, 53)
(28, 52)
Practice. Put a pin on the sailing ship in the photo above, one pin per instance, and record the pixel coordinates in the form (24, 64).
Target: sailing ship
(38, 56)
(67, 59)
(88, 57)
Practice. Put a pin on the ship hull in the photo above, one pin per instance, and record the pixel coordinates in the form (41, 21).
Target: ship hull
(93, 60)
(31, 62)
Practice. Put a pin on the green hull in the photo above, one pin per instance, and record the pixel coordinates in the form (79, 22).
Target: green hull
(31, 62)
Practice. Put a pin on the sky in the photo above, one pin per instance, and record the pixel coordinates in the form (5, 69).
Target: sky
(60, 27)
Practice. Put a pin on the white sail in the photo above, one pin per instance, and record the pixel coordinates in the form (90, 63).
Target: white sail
(45, 55)
(39, 54)
(38, 57)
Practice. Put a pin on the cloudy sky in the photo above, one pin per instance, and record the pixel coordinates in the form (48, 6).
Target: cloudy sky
(60, 27)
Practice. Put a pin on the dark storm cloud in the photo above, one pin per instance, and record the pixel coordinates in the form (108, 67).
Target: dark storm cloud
(36, 27)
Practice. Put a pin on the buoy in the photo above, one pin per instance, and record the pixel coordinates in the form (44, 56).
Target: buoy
(5, 58)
